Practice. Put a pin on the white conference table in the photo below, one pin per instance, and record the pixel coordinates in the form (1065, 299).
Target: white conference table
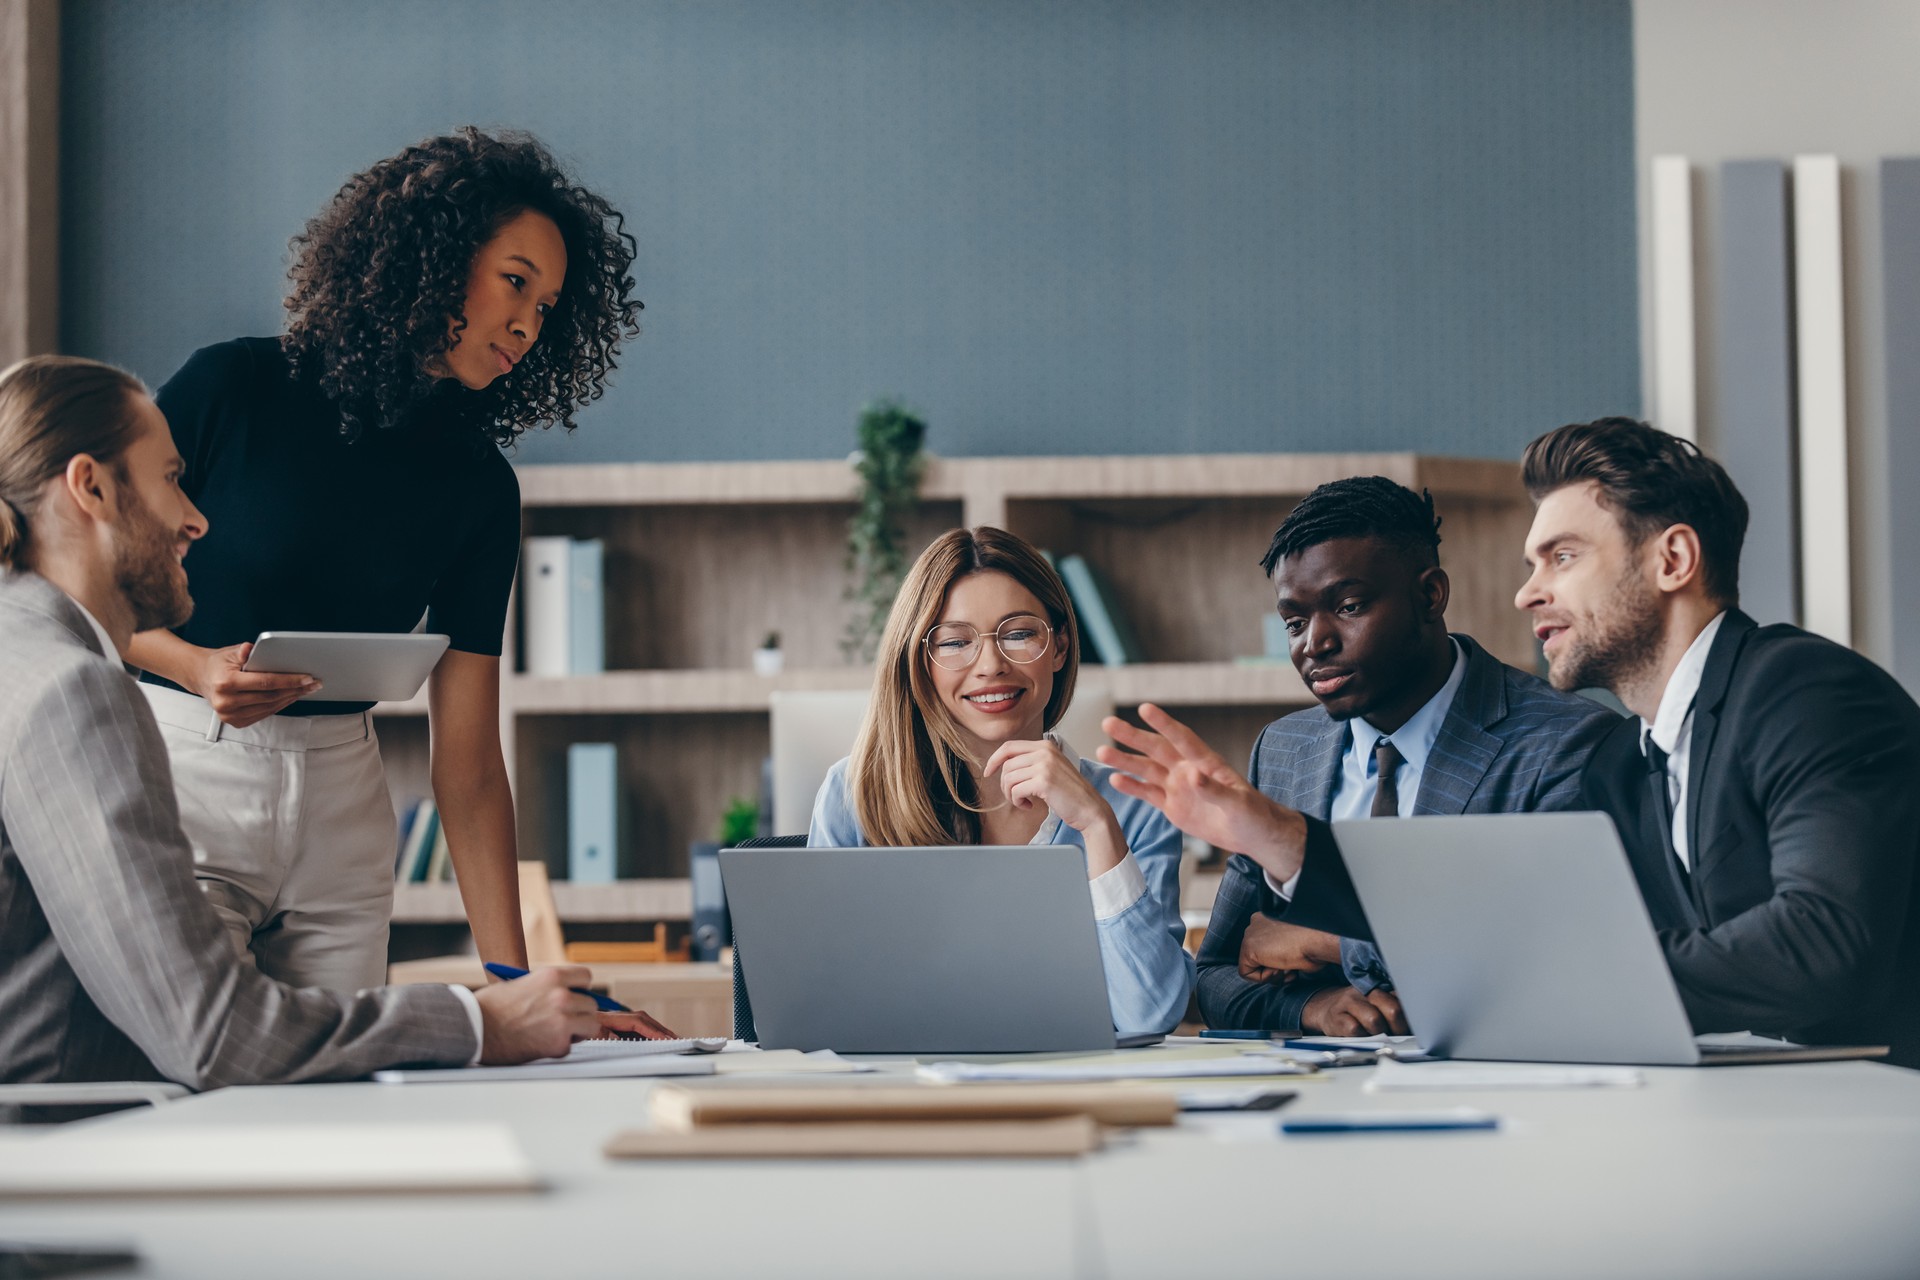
(1788, 1171)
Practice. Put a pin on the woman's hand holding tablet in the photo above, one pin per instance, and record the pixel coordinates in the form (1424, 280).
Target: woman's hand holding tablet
(241, 696)
(352, 666)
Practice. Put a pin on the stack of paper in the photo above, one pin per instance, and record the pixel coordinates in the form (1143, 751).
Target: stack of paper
(694, 1106)
(1063, 1136)
(1170, 1064)
(887, 1120)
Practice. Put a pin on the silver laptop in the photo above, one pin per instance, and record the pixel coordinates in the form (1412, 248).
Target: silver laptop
(1523, 937)
(918, 951)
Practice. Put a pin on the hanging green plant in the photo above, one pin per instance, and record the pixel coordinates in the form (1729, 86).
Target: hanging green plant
(889, 463)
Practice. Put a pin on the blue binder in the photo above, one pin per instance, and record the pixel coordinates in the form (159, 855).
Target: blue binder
(593, 813)
(586, 607)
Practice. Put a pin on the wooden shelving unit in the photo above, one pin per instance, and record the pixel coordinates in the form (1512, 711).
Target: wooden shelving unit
(704, 559)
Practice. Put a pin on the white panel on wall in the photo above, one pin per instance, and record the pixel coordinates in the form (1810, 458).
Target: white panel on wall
(1826, 565)
(1673, 372)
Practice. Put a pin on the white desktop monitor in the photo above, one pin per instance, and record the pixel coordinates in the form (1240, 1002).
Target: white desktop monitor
(812, 730)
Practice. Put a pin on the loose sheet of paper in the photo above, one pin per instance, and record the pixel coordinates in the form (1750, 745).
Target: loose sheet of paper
(1396, 1077)
(262, 1159)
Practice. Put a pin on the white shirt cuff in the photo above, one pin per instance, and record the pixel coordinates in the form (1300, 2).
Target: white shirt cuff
(1117, 888)
(472, 1003)
(1284, 890)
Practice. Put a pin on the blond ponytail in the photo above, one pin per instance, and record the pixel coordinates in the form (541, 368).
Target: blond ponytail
(13, 535)
(53, 408)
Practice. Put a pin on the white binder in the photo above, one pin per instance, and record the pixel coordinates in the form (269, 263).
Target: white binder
(545, 572)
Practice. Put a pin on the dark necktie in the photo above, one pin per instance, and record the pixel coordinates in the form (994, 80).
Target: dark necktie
(1386, 795)
(1662, 798)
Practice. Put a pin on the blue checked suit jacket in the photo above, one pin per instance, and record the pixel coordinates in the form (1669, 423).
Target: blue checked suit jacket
(1511, 743)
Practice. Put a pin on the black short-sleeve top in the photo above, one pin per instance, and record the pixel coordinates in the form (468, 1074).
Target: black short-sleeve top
(311, 530)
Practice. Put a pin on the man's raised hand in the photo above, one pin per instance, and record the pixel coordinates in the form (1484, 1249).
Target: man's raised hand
(1170, 768)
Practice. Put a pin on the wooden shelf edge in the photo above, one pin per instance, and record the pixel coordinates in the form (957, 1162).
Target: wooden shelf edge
(1000, 478)
(710, 483)
(1176, 684)
(670, 691)
(622, 901)
(1199, 684)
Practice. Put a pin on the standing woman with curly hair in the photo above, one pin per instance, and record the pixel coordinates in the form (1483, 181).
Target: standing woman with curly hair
(446, 300)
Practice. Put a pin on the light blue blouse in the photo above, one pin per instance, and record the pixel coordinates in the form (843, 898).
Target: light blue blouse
(1149, 973)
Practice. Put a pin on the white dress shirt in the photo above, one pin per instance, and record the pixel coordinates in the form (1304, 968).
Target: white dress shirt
(1672, 729)
(107, 646)
(1359, 779)
(467, 999)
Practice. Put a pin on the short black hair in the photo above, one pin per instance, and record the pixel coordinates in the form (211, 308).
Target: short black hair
(1652, 481)
(1359, 507)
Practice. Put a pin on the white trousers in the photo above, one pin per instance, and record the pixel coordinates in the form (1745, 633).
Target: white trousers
(293, 836)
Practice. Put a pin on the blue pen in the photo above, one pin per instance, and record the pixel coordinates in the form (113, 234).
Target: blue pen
(607, 1005)
(1392, 1122)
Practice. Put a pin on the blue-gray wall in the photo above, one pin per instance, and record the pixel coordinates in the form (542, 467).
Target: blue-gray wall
(1136, 226)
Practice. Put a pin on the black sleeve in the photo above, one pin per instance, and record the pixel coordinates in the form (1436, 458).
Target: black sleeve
(200, 399)
(469, 602)
(1227, 1000)
(1325, 898)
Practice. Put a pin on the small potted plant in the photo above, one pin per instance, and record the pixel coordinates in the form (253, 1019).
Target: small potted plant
(712, 926)
(768, 659)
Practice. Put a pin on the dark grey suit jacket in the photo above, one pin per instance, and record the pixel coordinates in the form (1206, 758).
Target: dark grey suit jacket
(113, 965)
(1801, 913)
(1510, 743)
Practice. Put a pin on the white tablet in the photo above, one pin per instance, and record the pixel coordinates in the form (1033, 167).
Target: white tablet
(353, 666)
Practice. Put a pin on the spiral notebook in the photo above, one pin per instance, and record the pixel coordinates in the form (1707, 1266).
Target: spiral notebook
(588, 1060)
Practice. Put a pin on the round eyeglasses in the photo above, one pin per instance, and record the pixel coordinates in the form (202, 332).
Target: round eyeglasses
(956, 645)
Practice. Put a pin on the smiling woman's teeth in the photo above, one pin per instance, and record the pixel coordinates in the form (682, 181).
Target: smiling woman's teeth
(991, 697)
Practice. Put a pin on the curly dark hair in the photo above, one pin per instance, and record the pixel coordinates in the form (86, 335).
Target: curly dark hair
(378, 273)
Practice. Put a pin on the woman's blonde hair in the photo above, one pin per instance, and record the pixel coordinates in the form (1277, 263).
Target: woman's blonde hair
(909, 776)
(53, 408)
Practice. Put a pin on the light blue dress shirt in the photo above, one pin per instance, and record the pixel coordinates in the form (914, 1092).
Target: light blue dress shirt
(1359, 777)
(1149, 972)
(1359, 780)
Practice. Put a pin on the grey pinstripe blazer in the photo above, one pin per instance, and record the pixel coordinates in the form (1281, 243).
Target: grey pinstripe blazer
(1511, 743)
(112, 964)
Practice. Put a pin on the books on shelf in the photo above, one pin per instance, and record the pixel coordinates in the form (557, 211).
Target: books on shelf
(440, 861)
(423, 847)
(1105, 633)
(593, 813)
(563, 590)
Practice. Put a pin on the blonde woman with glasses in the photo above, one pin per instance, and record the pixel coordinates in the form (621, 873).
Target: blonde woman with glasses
(977, 663)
